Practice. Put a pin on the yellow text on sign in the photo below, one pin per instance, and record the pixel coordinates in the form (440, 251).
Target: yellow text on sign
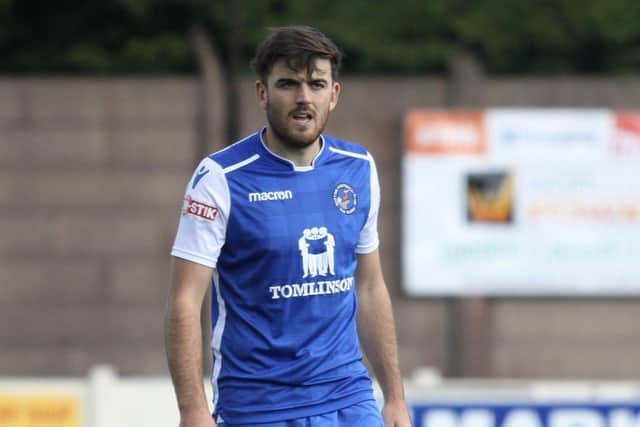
(38, 411)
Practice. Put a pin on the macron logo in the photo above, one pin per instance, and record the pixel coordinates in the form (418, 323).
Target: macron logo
(271, 195)
(201, 173)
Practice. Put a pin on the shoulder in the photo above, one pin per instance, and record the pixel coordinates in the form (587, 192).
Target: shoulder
(341, 147)
(239, 152)
(211, 172)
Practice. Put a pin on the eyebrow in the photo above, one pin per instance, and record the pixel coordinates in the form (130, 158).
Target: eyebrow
(296, 80)
(287, 80)
(318, 72)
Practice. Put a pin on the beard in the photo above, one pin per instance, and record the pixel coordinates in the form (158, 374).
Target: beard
(287, 133)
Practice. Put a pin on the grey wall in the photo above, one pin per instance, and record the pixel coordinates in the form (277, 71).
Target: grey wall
(92, 173)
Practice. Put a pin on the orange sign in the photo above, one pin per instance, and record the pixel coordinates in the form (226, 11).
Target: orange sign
(443, 132)
(39, 411)
(626, 138)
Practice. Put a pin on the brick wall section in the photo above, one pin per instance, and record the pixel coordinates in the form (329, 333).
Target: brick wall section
(91, 177)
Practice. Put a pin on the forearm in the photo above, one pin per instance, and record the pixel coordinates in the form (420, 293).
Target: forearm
(183, 344)
(377, 335)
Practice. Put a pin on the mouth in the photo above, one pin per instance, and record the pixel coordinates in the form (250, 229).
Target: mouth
(302, 117)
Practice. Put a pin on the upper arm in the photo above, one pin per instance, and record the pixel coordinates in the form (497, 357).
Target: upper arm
(205, 213)
(190, 281)
(369, 240)
(201, 234)
(369, 271)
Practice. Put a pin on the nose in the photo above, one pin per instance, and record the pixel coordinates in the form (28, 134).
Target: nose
(304, 94)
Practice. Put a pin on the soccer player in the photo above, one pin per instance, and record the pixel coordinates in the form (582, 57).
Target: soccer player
(286, 348)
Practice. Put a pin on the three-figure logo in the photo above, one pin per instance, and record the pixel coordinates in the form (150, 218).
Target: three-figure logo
(316, 248)
(345, 198)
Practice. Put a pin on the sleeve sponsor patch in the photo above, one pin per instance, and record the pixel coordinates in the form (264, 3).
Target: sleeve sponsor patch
(191, 206)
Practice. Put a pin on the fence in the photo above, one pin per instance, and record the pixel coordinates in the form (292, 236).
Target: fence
(105, 399)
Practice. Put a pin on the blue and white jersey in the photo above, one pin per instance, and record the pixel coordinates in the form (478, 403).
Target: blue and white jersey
(283, 242)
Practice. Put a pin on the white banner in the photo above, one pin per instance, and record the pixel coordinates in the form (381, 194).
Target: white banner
(522, 202)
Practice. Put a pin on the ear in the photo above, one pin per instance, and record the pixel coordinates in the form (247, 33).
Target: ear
(261, 94)
(335, 94)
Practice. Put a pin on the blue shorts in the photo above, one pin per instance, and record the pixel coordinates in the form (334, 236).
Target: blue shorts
(363, 414)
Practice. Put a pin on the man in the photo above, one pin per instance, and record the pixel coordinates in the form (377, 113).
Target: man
(285, 348)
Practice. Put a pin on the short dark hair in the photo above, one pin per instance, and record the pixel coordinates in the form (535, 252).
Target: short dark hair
(298, 45)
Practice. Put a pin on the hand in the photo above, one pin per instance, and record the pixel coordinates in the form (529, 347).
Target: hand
(199, 419)
(395, 414)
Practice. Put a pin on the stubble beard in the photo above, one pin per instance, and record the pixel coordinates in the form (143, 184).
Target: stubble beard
(281, 129)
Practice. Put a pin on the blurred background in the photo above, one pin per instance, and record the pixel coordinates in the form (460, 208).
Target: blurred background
(507, 138)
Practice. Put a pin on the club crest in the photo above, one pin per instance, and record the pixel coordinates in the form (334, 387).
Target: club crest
(345, 198)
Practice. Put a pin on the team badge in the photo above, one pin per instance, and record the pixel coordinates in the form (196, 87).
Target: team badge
(345, 198)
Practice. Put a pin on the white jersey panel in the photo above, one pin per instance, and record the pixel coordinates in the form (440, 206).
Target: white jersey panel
(205, 214)
(369, 239)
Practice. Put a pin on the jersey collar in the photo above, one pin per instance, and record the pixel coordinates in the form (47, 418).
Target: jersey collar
(289, 163)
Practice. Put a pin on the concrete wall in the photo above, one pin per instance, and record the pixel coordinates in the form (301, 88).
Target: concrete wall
(92, 173)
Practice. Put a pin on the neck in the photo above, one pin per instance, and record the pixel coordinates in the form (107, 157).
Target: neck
(299, 156)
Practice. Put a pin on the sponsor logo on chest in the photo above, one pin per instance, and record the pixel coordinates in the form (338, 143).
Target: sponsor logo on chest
(317, 261)
(267, 196)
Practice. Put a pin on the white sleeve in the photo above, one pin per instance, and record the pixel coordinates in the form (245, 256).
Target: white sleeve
(369, 240)
(205, 214)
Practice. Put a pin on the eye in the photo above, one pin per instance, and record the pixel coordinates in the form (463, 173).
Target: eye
(286, 84)
(318, 84)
